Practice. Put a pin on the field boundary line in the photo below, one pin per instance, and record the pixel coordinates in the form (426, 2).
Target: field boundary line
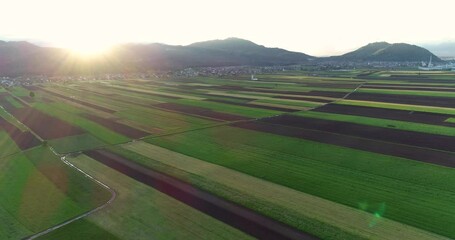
(357, 88)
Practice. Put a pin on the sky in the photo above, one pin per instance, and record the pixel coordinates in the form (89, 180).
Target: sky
(317, 27)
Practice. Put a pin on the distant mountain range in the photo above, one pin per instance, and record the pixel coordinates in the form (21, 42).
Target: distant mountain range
(25, 58)
(19, 58)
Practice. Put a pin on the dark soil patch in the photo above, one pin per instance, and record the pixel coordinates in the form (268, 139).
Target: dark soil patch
(401, 115)
(409, 76)
(24, 140)
(254, 105)
(28, 99)
(418, 139)
(408, 85)
(46, 126)
(434, 80)
(117, 127)
(369, 145)
(220, 87)
(405, 99)
(410, 88)
(239, 217)
(411, 79)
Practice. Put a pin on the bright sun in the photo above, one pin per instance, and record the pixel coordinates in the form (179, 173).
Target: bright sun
(88, 48)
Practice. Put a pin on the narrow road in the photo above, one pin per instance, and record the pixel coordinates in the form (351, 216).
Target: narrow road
(357, 88)
(339, 99)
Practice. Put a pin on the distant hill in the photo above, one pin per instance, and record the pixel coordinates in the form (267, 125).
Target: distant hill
(255, 53)
(24, 58)
(386, 52)
(228, 52)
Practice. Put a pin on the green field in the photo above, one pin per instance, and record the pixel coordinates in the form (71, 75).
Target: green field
(38, 191)
(19, 91)
(326, 190)
(76, 143)
(162, 120)
(7, 145)
(227, 108)
(14, 102)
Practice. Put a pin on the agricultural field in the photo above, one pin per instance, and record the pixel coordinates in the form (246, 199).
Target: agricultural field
(38, 191)
(295, 155)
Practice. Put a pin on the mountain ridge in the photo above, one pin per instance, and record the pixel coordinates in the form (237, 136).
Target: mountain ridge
(20, 58)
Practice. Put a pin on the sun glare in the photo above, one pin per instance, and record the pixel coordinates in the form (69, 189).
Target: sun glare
(88, 49)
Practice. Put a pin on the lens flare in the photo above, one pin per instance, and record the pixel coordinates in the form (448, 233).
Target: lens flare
(377, 215)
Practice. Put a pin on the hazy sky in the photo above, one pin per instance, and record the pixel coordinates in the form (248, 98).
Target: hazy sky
(318, 27)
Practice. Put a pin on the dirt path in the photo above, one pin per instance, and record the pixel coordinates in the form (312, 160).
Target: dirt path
(113, 196)
(355, 90)
(63, 159)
